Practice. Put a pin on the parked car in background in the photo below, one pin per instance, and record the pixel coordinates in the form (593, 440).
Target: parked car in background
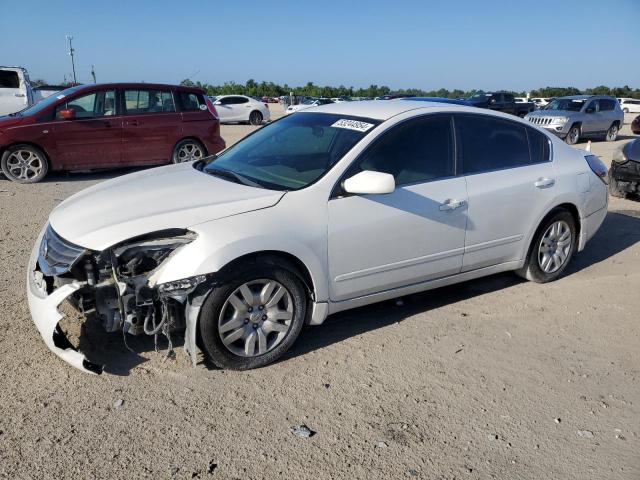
(580, 116)
(323, 211)
(501, 102)
(240, 108)
(453, 101)
(17, 92)
(106, 126)
(393, 96)
(311, 102)
(540, 102)
(635, 125)
(624, 174)
(269, 100)
(521, 100)
(629, 105)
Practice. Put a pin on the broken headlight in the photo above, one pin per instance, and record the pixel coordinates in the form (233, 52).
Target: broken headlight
(181, 287)
(619, 156)
(145, 254)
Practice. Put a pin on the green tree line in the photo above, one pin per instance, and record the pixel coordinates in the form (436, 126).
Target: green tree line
(254, 89)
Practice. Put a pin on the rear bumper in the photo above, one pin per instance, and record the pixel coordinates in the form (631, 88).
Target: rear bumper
(44, 312)
(590, 225)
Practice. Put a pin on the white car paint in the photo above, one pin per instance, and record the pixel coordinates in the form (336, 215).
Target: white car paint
(357, 249)
(308, 104)
(238, 108)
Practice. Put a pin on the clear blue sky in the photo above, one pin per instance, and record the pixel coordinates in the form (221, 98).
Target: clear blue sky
(463, 44)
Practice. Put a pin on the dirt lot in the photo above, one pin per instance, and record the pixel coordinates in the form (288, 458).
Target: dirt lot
(494, 378)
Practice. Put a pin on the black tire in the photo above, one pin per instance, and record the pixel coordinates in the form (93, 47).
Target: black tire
(212, 343)
(625, 110)
(614, 188)
(255, 118)
(612, 133)
(33, 172)
(574, 135)
(532, 270)
(188, 150)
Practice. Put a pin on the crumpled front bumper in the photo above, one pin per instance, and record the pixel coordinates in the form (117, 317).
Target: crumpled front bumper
(45, 314)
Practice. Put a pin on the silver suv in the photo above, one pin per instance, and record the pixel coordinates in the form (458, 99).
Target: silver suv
(578, 116)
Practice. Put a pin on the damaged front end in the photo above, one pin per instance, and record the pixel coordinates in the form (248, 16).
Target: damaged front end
(117, 284)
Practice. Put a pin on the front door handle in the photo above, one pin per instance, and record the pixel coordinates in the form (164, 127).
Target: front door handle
(544, 182)
(451, 205)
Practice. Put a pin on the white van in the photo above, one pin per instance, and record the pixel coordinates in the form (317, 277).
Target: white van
(16, 92)
(629, 105)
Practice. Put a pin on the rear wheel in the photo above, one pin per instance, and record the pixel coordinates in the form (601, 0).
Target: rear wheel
(188, 150)
(24, 164)
(625, 110)
(552, 248)
(255, 118)
(254, 318)
(612, 133)
(574, 135)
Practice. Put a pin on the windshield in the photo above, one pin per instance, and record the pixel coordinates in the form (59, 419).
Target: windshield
(50, 100)
(570, 104)
(293, 152)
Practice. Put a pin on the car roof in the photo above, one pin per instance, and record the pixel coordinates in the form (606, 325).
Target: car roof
(160, 86)
(378, 109)
(584, 97)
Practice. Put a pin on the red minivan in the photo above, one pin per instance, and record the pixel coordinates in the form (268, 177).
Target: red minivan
(108, 126)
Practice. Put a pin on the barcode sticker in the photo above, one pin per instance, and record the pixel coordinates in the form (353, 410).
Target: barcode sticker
(353, 125)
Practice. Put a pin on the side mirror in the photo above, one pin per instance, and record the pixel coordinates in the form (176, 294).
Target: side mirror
(492, 101)
(590, 110)
(217, 102)
(369, 182)
(67, 114)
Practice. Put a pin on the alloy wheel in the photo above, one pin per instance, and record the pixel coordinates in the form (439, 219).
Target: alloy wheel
(24, 164)
(574, 135)
(555, 246)
(612, 133)
(255, 318)
(189, 152)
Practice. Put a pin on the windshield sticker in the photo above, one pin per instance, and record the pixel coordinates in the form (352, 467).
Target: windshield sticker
(60, 97)
(353, 125)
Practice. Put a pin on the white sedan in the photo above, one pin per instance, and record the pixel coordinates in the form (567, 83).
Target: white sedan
(312, 102)
(240, 108)
(330, 209)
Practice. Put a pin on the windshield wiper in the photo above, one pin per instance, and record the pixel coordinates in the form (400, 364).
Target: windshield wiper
(233, 176)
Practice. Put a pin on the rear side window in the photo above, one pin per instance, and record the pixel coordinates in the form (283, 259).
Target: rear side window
(191, 102)
(606, 105)
(539, 146)
(9, 79)
(489, 143)
(148, 101)
(418, 150)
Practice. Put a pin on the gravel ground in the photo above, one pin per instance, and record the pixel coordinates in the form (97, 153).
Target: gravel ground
(494, 378)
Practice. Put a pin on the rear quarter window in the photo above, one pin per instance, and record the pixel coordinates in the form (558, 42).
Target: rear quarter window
(539, 146)
(9, 79)
(190, 102)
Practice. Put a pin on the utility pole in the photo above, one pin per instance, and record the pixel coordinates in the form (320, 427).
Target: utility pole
(73, 64)
(93, 73)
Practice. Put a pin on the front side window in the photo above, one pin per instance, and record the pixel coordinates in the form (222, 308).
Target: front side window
(293, 152)
(607, 105)
(93, 105)
(418, 150)
(489, 143)
(592, 106)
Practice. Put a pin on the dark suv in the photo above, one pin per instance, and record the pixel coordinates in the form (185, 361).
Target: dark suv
(107, 126)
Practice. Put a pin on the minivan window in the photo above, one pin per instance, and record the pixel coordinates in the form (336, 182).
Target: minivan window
(489, 143)
(92, 105)
(190, 102)
(9, 79)
(148, 101)
(418, 150)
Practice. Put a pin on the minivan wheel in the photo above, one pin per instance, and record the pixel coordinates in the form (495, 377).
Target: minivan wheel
(188, 150)
(254, 318)
(24, 164)
(612, 133)
(574, 135)
(552, 248)
(255, 118)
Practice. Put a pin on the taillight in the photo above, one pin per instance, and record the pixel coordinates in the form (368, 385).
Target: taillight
(598, 167)
(212, 108)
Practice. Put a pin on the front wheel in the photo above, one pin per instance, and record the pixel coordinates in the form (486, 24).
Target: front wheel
(255, 118)
(254, 318)
(612, 133)
(574, 135)
(552, 248)
(24, 164)
(625, 110)
(188, 150)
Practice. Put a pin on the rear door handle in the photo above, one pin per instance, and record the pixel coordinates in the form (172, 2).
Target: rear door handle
(544, 182)
(451, 205)
(134, 123)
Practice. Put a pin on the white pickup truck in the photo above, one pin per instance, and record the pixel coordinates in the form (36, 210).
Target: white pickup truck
(16, 91)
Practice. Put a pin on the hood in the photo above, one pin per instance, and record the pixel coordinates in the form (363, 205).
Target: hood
(632, 150)
(175, 196)
(552, 113)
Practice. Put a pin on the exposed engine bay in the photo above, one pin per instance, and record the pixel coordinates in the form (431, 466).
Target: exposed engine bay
(117, 284)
